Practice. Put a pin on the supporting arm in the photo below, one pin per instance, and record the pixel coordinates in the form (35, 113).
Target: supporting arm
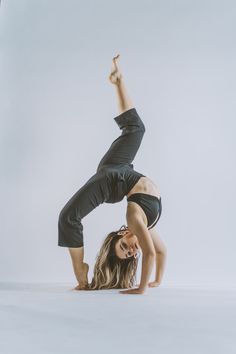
(161, 254)
(138, 228)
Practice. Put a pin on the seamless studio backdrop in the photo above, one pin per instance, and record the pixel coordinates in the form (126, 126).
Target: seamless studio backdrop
(57, 109)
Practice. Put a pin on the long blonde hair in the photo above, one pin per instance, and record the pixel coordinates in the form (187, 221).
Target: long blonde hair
(110, 271)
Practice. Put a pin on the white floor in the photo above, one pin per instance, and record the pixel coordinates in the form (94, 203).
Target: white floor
(55, 319)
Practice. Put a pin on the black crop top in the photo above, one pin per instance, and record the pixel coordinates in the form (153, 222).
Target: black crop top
(151, 206)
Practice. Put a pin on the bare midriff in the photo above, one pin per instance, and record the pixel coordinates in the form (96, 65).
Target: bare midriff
(145, 185)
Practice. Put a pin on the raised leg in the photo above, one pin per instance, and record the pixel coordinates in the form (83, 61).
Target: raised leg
(124, 101)
(124, 148)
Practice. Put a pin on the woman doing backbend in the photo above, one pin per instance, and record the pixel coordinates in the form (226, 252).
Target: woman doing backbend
(115, 178)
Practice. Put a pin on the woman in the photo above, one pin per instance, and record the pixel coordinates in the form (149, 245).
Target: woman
(116, 263)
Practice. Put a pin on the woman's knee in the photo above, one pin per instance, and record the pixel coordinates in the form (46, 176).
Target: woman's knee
(64, 217)
(70, 229)
(69, 216)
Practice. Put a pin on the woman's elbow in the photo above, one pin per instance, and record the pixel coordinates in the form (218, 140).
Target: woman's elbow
(149, 253)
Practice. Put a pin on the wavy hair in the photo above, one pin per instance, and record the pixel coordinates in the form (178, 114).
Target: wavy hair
(110, 271)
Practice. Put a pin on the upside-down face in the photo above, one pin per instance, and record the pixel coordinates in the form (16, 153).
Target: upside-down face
(127, 246)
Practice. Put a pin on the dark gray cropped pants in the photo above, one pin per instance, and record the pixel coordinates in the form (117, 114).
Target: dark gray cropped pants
(93, 193)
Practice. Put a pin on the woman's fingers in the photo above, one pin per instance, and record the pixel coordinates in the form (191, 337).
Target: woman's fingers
(153, 284)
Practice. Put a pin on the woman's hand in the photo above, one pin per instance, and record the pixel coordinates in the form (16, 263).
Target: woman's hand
(154, 284)
(132, 291)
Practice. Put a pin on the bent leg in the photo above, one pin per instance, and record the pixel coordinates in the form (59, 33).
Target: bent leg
(70, 228)
(87, 198)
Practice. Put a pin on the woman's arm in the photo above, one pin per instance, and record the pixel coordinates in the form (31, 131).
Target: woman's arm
(137, 226)
(161, 253)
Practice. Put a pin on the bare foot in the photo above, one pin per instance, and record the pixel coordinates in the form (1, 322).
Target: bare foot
(115, 75)
(81, 287)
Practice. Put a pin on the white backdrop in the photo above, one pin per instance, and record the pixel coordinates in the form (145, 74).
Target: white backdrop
(57, 107)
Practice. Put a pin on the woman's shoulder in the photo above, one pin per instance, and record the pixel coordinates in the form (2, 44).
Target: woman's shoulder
(135, 211)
